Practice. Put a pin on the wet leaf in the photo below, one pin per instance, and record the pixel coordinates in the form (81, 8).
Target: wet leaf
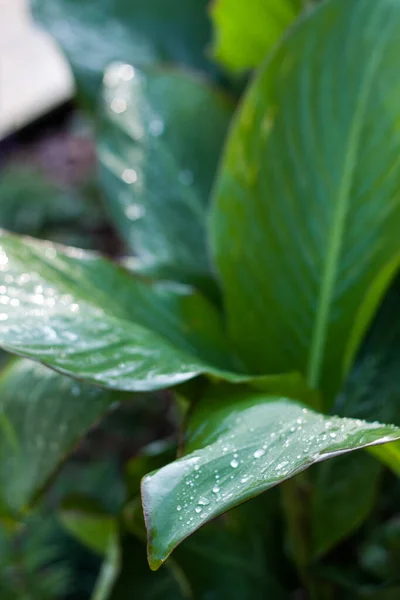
(258, 24)
(42, 417)
(240, 444)
(90, 319)
(161, 136)
(307, 207)
(142, 32)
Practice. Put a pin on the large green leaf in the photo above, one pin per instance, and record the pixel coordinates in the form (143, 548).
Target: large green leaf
(345, 489)
(258, 24)
(88, 318)
(375, 375)
(344, 493)
(307, 207)
(240, 444)
(42, 416)
(226, 564)
(160, 141)
(137, 581)
(95, 33)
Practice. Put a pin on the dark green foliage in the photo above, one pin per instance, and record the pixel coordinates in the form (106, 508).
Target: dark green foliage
(251, 334)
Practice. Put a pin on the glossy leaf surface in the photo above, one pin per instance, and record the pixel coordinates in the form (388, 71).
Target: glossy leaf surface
(161, 137)
(142, 32)
(42, 417)
(240, 444)
(90, 319)
(258, 24)
(307, 207)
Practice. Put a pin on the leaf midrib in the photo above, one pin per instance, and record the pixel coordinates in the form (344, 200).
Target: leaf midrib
(336, 234)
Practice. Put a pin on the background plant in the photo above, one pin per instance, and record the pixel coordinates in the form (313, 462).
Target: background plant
(252, 296)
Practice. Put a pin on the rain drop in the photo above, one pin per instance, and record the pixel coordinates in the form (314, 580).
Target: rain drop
(179, 508)
(134, 212)
(234, 463)
(198, 509)
(258, 453)
(215, 489)
(118, 105)
(156, 127)
(129, 176)
(203, 501)
(126, 72)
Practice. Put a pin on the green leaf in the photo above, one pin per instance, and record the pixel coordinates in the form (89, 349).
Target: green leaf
(258, 24)
(90, 319)
(226, 564)
(239, 444)
(32, 204)
(344, 493)
(42, 416)
(137, 581)
(161, 137)
(143, 32)
(375, 375)
(99, 533)
(345, 489)
(380, 553)
(307, 207)
(95, 531)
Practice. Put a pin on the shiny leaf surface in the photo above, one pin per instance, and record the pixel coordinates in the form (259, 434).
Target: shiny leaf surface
(92, 35)
(258, 24)
(161, 136)
(240, 444)
(307, 207)
(42, 417)
(90, 319)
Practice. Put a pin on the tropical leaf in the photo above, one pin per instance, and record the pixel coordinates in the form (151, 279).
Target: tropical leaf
(307, 207)
(42, 417)
(258, 24)
(239, 444)
(142, 32)
(90, 319)
(345, 490)
(161, 136)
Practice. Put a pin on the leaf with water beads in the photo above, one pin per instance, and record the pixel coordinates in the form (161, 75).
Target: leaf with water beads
(42, 417)
(161, 134)
(239, 444)
(84, 316)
